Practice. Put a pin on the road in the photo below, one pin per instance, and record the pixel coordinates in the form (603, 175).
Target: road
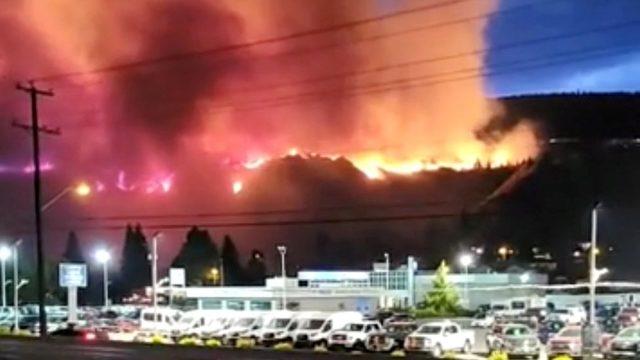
(54, 349)
(34, 349)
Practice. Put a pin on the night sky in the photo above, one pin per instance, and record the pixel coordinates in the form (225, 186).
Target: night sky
(615, 64)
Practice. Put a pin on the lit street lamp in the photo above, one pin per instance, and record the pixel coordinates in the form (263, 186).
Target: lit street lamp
(103, 257)
(81, 189)
(386, 280)
(16, 284)
(283, 251)
(5, 254)
(466, 260)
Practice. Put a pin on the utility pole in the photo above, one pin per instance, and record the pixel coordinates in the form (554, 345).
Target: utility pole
(35, 133)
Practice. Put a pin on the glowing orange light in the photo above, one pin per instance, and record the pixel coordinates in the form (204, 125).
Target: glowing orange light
(293, 152)
(237, 187)
(82, 189)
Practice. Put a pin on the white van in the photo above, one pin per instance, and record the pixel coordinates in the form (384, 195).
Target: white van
(243, 326)
(276, 327)
(218, 323)
(308, 324)
(161, 321)
(335, 321)
(192, 322)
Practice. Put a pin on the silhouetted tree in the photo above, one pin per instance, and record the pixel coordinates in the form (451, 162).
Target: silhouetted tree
(73, 252)
(198, 256)
(233, 272)
(256, 269)
(135, 271)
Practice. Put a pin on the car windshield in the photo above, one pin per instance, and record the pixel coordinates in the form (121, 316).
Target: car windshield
(278, 323)
(630, 311)
(516, 331)
(480, 316)
(561, 311)
(186, 320)
(354, 327)
(630, 333)
(401, 328)
(312, 324)
(429, 329)
(244, 322)
(571, 332)
(499, 307)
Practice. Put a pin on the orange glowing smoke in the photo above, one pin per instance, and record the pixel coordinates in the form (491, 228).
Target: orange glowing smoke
(402, 130)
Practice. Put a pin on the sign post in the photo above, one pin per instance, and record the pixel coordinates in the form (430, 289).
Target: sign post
(72, 276)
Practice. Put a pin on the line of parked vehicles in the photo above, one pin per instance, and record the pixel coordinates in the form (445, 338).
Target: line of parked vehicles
(520, 334)
(523, 331)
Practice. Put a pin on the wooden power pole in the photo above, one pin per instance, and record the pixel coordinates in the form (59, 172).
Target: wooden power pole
(35, 133)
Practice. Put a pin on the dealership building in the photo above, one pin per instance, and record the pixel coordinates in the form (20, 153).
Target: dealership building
(363, 290)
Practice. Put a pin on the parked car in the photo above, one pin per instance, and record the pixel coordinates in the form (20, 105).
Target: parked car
(515, 340)
(483, 320)
(398, 317)
(625, 345)
(399, 331)
(537, 315)
(437, 337)
(548, 329)
(353, 336)
(391, 338)
(568, 315)
(85, 334)
(628, 317)
(567, 341)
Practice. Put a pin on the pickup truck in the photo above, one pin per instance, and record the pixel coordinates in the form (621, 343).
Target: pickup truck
(436, 338)
(354, 335)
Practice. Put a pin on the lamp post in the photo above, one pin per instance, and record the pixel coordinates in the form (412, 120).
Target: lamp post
(16, 285)
(466, 260)
(386, 279)
(103, 257)
(5, 254)
(154, 274)
(283, 251)
(81, 189)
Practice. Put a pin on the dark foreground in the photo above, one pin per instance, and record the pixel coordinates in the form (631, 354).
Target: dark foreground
(27, 349)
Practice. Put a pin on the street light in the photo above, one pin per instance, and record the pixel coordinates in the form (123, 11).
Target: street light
(81, 189)
(386, 280)
(16, 284)
(154, 274)
(103, 257)
(466, 260)
(283, 251)
(5, 254)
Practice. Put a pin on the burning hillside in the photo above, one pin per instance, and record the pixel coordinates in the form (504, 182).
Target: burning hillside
(151, 87)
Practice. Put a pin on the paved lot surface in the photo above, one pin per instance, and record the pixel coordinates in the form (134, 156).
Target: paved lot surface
(27, 349)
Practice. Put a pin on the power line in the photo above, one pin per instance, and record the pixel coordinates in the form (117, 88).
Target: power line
(303, 51)
(245, 45)
(241, 224)
(305, 210)
(406, 83)
(478, 70)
